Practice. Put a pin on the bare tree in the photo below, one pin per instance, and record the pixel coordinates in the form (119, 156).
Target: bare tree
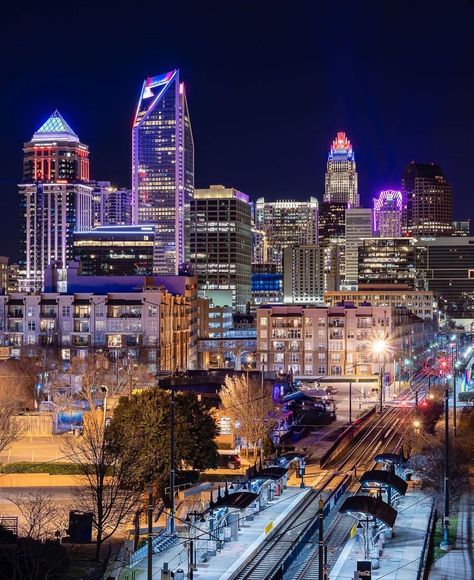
(41, 515)
(106, 471)
(251, 409)
(10, 427)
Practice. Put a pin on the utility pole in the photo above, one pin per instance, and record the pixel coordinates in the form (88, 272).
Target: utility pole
(350, 402)
(381, 391)
(321, 540)
(150, 538)
(172, 460)
(445, 542)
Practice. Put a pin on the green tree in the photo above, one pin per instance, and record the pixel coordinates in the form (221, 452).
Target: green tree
(141, 427)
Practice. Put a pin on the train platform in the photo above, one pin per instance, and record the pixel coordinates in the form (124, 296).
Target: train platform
(234, 552)
(400, 555)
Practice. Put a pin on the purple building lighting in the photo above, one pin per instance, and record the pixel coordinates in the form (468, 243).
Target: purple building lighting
(388, 210)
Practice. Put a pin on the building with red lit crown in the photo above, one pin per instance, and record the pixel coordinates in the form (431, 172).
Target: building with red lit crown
(55, 199)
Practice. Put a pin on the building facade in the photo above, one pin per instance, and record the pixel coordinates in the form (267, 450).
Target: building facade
(387, 261)
(55, 199)
(110, 205)
(332, 224)
(388, 212)
(116, 250)
(163, 168)
(151, 324)
(421, 303)
(429, 201)
(358, 225)
(303, 274)
(221, 244)
(286, 223)
(341, 175)
(267, 284)
(314, 342)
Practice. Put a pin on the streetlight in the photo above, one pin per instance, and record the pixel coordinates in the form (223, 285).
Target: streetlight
(417, 425)
(379, 347)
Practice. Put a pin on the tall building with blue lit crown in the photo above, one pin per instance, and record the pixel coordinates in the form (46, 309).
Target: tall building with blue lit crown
(163, 168)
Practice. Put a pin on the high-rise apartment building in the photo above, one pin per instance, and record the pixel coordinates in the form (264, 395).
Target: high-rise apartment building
(55, 199)
(303, 274)
(341, 174)
(388, 212)
(286, 223)
(221, 245)
(387, 261)
(163, 168)
(111, 206)
(358, 226)
(429, 200)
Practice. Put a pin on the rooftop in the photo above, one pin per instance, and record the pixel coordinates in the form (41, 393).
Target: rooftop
(55, 128)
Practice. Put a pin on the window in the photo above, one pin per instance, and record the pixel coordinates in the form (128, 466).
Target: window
(66, 311)
(308, 321)
(30, 311)
(152, 311)
(308, 333)
(263, 345)
(263, 333)
(263, 321)
(31, 325)
(308, 358)
(322, 369)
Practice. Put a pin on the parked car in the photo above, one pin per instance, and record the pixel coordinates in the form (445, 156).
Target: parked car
(229, 459)
(331, 390)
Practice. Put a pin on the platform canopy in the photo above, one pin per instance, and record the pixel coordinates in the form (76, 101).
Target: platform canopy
(389, 458)
(385, 478)
(239, 500)
(361, 506)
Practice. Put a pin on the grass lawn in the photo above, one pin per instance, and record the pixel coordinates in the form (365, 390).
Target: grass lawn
(438, 535)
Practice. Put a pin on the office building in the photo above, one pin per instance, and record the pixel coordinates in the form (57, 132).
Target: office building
(267, 284)
(163, 168)
(358, 225)
(303, 274)
(4, 275)
(428, 197)
(221, 245)
(446, 267)
(341, 174)
(318, 341)
(116, 250)
(286, 223)
(332, 224)
(54, 199)
(388, 212)
(421, 303)
(387, 261)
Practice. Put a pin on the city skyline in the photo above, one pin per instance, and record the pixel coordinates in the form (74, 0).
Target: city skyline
(239, 130)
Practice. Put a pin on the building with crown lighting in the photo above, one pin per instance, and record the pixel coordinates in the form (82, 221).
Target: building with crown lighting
(163, 168)
(429, 200)
(341, 174)
(286, 223)
(388, 212)
(55, 199)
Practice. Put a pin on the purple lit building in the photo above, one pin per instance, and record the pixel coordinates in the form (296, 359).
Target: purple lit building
(388, 211)
(163, 168)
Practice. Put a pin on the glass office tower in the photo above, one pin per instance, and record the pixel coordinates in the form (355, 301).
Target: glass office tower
(163, 168)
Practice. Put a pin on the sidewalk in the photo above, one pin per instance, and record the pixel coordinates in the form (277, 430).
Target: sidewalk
(400, 556)
(251, 535)
(458, 563)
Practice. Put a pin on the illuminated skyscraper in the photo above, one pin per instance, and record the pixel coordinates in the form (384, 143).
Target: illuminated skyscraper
(341, 174)
(388, 211)
(286, 223)
(55, 200)
(429, 200)
(163, 168)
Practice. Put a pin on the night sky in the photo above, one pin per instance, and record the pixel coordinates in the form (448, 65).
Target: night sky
(269, 84)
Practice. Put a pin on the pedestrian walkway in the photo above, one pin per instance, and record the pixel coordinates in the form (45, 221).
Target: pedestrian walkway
(234, 553)
(401, 554)
(458, 563)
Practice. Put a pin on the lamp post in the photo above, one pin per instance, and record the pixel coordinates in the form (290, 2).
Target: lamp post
(445, 542)
(379, 347)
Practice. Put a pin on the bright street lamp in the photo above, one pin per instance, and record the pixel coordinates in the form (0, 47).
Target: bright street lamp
(379, 347)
